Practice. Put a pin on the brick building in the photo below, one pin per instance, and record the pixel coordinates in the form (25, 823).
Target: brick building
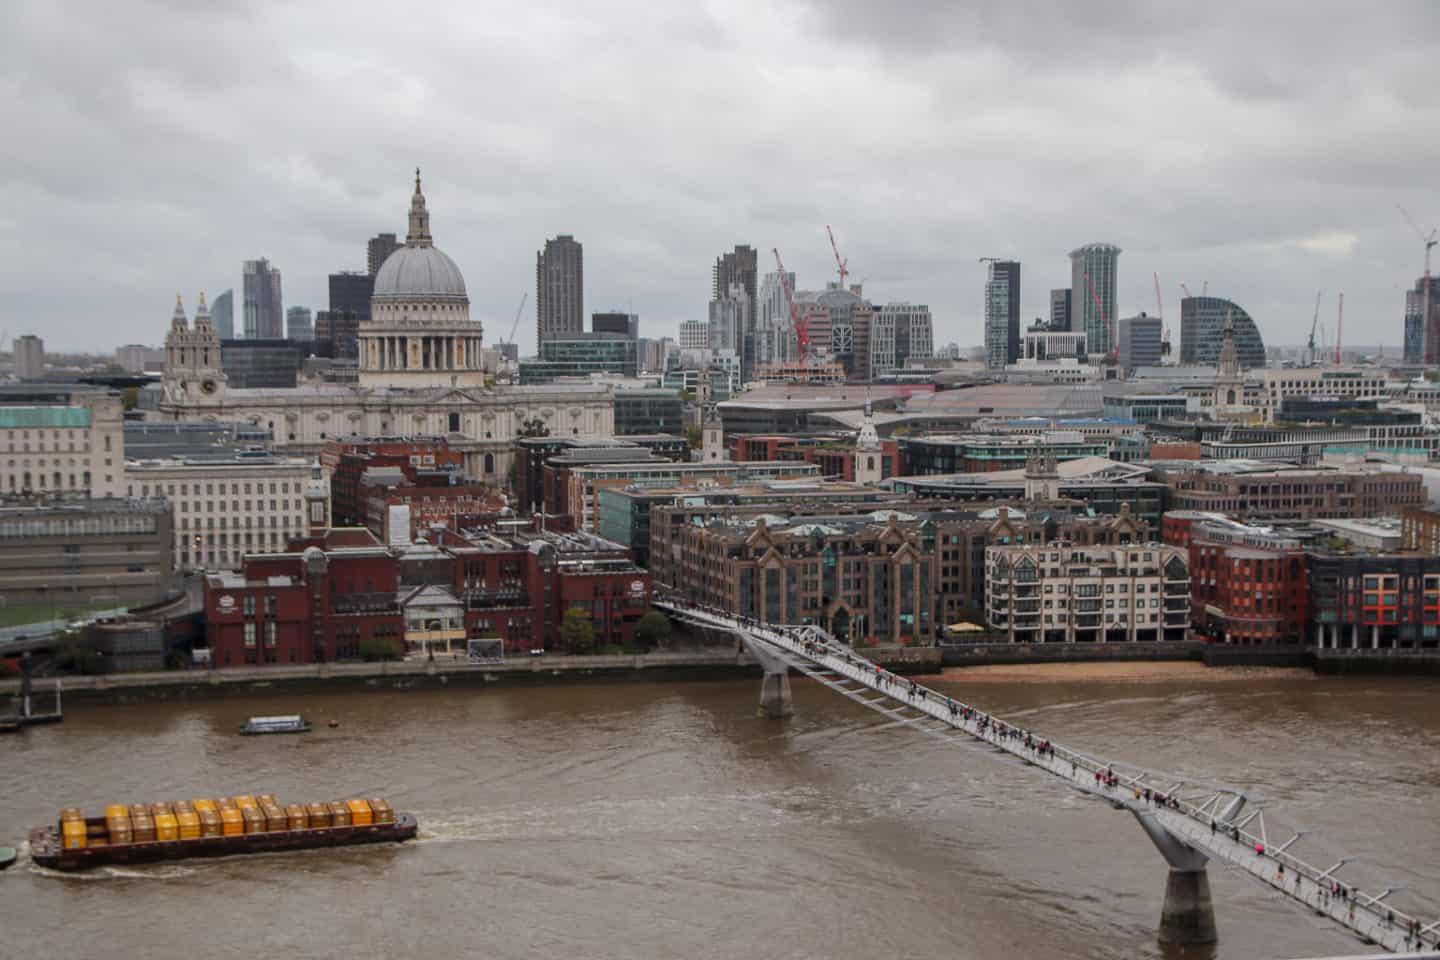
(833, 454)
(1256, 490)
(348, 458)
(1249, 585)
(1420, 529)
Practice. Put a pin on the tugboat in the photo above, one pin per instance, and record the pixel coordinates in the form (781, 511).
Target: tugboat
(290, 724)
(212, 828)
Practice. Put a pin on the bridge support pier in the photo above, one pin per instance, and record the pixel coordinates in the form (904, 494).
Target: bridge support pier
(775, 695)
(1188, 916)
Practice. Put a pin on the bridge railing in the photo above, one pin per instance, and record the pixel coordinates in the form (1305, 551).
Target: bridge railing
(1201, 824)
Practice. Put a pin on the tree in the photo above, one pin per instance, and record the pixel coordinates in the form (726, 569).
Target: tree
(375, 648)
(577, 630)
(694, 437)
(653, 630)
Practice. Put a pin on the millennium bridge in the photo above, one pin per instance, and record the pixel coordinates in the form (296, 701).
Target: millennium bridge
(1189, 824)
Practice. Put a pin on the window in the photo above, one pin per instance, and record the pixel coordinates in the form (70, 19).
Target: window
(249, 605)
(249, 634)
(269, 633)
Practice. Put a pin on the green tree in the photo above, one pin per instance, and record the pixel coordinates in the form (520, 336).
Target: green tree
(577, 630)
(376, 648)
(694, 437)
(653, 630)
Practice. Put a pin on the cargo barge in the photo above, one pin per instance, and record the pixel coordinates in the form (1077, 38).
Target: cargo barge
(212, 828)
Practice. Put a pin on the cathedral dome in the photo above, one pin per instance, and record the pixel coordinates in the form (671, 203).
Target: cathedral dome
(418, 271)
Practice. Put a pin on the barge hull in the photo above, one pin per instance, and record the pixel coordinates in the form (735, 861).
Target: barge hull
(46, 848)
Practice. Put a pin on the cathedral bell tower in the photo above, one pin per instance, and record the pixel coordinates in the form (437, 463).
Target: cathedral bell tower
(194, 375)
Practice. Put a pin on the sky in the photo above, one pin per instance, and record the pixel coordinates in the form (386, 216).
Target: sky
(1263, 149)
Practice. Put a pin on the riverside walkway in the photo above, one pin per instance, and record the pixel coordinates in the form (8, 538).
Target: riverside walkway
(1189, 824)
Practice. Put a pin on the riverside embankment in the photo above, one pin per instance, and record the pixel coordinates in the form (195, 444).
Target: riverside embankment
(673, 666)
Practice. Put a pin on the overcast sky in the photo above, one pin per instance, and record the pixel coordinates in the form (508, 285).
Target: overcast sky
(149, 147)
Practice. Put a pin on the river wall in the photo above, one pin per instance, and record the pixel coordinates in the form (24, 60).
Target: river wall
(980, 654)
(433, 675)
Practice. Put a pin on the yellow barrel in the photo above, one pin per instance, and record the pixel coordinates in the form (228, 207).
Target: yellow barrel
(254, 819)
(71, 813)
(203, 804)
(73, 834)
(142, 826)
(381, 811)
(360, 813)
(114, 810)
(182, 806)
(160, 807)
(318, 814)
(166, 827)
(295, 814)
(275, 818)
(189, 824)
(231, 821)
(266, 800)
(210, 824)
(244, 800)
(339, 815)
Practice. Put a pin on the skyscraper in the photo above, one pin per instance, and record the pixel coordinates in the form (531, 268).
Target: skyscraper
(899, 333)
(298, 325)
(739, 266)
(29, 358)
(263, 304)
(1420, 345)
(1060, 309)
(1002, 313)
(1138, 342)
(774, 335)
(1092, 276)
(350, 292)
(1203, 322)
(222, 314)
(378, 249)
(559, 288)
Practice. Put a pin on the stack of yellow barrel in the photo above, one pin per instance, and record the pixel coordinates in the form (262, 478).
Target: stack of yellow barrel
(72, 828)
(117, 823)
(142, 824)
(167, 827)
(209, 815)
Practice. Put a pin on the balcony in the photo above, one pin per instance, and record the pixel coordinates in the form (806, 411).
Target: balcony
(364, 603)
(489, 599)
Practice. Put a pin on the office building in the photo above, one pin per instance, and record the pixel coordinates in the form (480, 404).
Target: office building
(1378, 601)
(581, 354)
(1060, 310)
(774, 333)
(1048, 344)
(1202, 328)
(298, 325)
(648, 410)
(68, 554)
(263, 304)
(1259, 490)
(378, 249)
(350, 292)
(137, 358)
(1002, 314)
(1422, 322)
(1139, 342)
(337, 334)
(740, 266)
(899, 333)
(1093, 276)
(1250, 585)
(559, 289)
(250, 364)
(222, 314)
(694, 335)
(62, 439)
(728, 319)
(29, 357)
(625, 324)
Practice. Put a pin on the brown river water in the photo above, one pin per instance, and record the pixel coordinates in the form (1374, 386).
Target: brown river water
(666, 820)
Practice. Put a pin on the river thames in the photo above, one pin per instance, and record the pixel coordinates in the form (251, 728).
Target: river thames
(666, 820)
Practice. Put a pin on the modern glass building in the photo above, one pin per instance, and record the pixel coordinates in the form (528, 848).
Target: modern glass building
(1002, 314)
(1202, 326)
(1092, 277)
(1139, 342)
(649, 410)
(581, 354)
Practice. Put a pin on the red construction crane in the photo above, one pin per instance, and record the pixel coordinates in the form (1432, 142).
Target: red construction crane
(1114, 352)
(841, 265)
(797, 323)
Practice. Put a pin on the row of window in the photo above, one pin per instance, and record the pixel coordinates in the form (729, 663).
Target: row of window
(168, 489)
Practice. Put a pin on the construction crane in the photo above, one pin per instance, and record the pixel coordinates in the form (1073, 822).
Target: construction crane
(1113, 354)
(1313, 356)
(1425, 334)
(1164, 328)
(1188, 294)
(802, 333)
(518, 310)
(1339, 325)
(841, 265)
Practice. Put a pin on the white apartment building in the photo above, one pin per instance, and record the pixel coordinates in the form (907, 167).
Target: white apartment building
(694, 335)
(224, 509)
(1061, 593)
(75, 446)
(1349, 382)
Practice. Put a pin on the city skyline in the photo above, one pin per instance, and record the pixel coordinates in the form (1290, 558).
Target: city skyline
(1310, 204)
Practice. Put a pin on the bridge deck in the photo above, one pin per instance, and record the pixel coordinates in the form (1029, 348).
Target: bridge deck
(1200, 824)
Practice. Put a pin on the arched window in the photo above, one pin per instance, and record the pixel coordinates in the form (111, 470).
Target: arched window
(489, 463)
